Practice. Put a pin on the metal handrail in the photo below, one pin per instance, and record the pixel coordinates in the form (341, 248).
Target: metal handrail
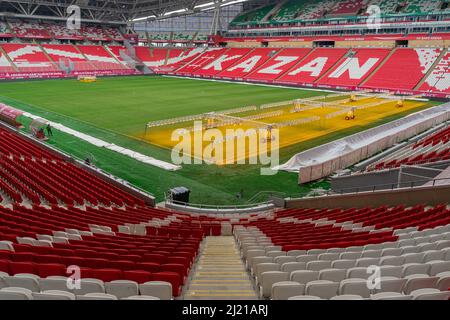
(373, 188)
(217, 207)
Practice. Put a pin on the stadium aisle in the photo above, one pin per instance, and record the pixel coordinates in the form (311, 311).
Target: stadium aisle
(220, 273)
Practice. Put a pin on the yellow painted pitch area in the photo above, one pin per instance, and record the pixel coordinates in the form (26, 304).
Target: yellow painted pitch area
(271, 129)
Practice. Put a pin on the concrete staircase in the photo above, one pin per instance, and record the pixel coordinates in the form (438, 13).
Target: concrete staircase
(220, 273)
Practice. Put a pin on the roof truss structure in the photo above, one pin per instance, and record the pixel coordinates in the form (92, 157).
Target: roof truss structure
(114, 11)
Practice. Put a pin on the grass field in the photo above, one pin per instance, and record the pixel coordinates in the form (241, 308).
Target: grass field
(117, 109)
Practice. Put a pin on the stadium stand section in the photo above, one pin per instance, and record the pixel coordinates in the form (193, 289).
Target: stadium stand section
(251, 63)
(4, 30)
(351, 7)
(314, 66)
(58, 215)
(101, 58)
(279, 64)
(411, 249)
(406, 67)
(358, 64)
(433, 148)
(29, 30)
(208, 56)
(255, 16)
(227, 59)
(66, 52)
(5, 64)
(180, 57)
(438, 80)
(310, 10)
(61, 215)
(29, 57)
(418, 70)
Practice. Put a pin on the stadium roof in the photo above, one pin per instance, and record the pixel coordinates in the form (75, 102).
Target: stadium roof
(108, 10)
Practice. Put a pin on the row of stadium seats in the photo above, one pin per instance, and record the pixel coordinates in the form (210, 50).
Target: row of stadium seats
(32, 58)
(363, 67)
(32, 287)
(300, 10)
(415, 257)
(119, 244)
(399, 68)
(433, 148)
(23, 165)
(55, 30)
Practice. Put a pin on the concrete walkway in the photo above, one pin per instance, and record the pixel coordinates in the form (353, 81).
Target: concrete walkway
(220, 273)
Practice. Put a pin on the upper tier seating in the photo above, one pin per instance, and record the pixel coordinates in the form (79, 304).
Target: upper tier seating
(317, 9)
(356, 67)
(31, 30)
(439, 78)
(100, 58)
(387, 6)
(62, 53)
(279, 64)
(405, 68)
(201, 37)
(182, 37)
(94, 33)
(252, 62)
(433, 148)
(421, 6)
(254, 16)
(347, 7)
(60, 31)
(114, 33)
(29, 58)
(159, 36)
(4, 30)
(319, 61)
(290, 10)
(303, 10)
(227, 59)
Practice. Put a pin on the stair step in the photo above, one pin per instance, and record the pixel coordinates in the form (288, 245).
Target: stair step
(219, 273)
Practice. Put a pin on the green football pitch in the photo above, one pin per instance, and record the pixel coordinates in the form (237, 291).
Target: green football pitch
(117, 109)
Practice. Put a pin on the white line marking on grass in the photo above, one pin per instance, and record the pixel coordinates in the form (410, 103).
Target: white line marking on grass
(110, 146)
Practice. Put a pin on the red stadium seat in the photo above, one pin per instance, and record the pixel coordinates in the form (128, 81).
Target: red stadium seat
(107, 275)
(51, 269)
(138, 276)
(148, 266)
(172, 277)
(4, 266)
(22, 267)
(5, 255)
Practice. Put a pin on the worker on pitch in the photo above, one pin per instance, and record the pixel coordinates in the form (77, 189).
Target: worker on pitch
(49, 130)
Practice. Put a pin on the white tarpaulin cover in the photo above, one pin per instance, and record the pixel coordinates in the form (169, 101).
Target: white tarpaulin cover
(349, 150)
(111, 146)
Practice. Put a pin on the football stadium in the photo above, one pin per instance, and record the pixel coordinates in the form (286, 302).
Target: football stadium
(225, 150)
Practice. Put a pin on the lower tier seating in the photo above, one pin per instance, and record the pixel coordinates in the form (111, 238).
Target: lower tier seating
(409, 247)
(433, 148)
